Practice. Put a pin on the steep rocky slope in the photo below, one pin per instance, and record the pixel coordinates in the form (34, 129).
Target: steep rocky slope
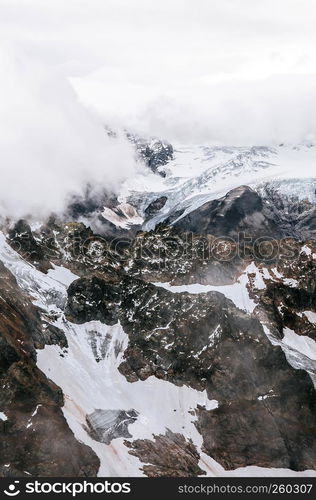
(35, 437)
(170, 339)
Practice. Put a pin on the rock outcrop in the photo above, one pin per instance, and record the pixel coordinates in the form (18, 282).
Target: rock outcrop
(106, 425)
(154, 152)
(35, 436)
(168, 455)
(205, 342)
(241, 210)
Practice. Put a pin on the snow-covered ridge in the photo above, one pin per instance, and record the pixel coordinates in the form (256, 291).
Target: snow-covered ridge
(198, 174)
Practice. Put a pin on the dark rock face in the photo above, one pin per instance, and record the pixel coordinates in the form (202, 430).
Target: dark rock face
(35, 437)
(93, 299)
(155, 206)
(296, 217)
(289, 298)
(307, 224)
(286, 304)
(205, 342)
(169, 455)
(22, 241)
(43, 445)
(24, 319)
(156, 153)
(106, 425)
(257, 214)
(251, 429)
(171, 255)
(89, 203)
(75, 246)
(271, 420)
(241, 210)
(168, 254)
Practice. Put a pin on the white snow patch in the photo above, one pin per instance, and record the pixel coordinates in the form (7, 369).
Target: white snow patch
(49, 291)
(301, 343)
(299, 354)
(306, 250)
(63, 275)
(291, 282)
(277, 274)
(89, 385)
(311, 316)
(3, 416)
(237, 292)
(36, 410)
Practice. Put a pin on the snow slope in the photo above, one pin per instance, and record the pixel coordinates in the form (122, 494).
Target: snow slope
(198, 174)
(237, 292)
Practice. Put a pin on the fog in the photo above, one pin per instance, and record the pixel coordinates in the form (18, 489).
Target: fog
(51, 145)
(191, 71)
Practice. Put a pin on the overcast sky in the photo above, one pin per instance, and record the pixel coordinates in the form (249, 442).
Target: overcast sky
(211, 71)
(160, 66)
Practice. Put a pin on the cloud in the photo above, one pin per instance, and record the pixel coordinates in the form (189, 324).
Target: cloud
(238, 111)
(226, 71)
(261, 112)
(51, 146)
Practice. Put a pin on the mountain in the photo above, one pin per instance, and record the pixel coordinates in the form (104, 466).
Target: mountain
(168, 329)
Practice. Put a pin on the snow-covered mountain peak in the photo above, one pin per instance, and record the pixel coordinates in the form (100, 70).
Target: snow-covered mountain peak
(200, 173)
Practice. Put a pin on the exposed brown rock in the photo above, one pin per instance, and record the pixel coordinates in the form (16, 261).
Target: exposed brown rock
(35, 437)
(169, 455)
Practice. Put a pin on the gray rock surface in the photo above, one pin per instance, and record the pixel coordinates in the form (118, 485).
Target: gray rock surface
(106, 425)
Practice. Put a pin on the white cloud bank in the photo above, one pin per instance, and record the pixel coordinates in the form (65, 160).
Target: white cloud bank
(51, 146)
(225, 71)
